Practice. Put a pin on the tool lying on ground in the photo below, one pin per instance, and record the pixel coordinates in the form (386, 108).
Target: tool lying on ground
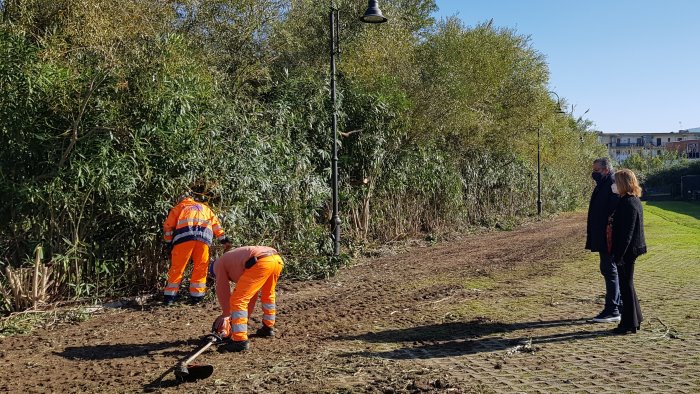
(186, 372)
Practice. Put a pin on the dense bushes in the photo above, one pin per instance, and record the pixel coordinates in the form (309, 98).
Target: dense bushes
(110, 110)
(668, 179)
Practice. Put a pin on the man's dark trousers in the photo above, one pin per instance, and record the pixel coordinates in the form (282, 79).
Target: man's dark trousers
(612, 283)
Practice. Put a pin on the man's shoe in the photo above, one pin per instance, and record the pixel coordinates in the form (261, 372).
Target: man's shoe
(235, 346)
(265, 332)
(169, 300)
(607, 317)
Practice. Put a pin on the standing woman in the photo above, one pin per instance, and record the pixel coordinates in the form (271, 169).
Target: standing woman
(627, 244)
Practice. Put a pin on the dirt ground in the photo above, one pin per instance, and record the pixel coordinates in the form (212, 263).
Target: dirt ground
(494, 312)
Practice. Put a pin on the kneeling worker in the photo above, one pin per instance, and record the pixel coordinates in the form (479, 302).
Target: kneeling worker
(254, 269)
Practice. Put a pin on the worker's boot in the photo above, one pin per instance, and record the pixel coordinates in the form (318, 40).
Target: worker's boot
(169, 300)
(235, 346)
(265, 332)
(196, 300)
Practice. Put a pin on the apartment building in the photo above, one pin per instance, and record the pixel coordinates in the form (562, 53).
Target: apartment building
(623, 145)
(689, 148)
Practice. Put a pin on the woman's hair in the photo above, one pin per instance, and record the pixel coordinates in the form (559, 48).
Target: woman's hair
(627, 183)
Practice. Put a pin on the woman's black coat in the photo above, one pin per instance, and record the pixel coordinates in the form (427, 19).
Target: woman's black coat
(602, 205)
(628, 229)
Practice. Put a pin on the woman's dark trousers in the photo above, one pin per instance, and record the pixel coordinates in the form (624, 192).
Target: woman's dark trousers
(631, 312)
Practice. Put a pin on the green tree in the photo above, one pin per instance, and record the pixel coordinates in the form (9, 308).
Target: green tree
(112, 109)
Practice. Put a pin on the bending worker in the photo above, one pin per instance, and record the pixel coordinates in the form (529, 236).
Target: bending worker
(189, 231)
(254, 269)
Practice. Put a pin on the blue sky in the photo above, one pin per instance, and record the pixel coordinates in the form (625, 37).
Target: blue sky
(634, 64)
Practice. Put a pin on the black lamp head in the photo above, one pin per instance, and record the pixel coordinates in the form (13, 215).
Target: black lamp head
(373, 13)
(558, 109)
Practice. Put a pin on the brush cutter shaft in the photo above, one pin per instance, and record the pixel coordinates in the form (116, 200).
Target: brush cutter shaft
(201, 350)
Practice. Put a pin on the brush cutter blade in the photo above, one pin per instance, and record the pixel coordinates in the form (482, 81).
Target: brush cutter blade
(193, 372)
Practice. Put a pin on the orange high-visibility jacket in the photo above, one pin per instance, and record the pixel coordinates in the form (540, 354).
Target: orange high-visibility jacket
(192, 221)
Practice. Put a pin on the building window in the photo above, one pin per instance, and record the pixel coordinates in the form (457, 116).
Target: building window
(658, 152)
(680, 139)
(617, 152)
(658, 142)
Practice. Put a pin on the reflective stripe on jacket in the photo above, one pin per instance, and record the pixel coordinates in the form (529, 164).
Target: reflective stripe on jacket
(191, 221)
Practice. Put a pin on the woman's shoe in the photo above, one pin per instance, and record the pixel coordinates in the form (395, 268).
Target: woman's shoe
(620, 330)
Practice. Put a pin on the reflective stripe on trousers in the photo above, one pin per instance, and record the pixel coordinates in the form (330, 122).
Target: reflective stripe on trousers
(262, 277)
(171, 289)
(239, 325)
(269, 312)
(198, 289)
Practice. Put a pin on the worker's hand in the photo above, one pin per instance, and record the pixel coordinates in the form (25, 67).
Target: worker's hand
(222, 327)
(226, 242)
(168, 248)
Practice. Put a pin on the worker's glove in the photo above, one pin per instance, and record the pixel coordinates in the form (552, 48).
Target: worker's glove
(168, 248)
(222, 327)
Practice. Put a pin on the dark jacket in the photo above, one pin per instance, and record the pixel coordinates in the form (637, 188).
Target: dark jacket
(628, 229)
(602, 205)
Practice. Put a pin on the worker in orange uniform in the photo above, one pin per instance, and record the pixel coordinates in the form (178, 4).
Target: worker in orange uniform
(254, 269)
(189, 231)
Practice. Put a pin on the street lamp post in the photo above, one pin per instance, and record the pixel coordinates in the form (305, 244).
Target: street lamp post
(539, 174)
(372, 15)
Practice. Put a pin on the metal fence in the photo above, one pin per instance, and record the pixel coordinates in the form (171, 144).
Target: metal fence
(690, 187)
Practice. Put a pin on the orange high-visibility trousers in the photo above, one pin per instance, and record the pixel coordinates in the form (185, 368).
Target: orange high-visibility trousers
(181, 254)
(262, 277)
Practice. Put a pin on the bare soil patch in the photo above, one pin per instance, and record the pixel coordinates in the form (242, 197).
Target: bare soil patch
(340, 334)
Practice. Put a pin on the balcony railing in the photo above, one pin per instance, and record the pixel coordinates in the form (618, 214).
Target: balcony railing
(627, 144)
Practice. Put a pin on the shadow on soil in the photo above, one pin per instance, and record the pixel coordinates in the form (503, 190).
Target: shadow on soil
(461, 338)
(106, 352)
(159, 383)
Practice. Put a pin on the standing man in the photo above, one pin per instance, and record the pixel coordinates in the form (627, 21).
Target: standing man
(254, 269)
(602, 205)
(188, 232)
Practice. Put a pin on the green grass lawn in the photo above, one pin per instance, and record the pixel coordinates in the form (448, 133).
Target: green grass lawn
(672, 231)
(669, 271)
(680, 212)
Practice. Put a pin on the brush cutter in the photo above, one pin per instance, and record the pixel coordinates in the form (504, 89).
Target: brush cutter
(186, 372)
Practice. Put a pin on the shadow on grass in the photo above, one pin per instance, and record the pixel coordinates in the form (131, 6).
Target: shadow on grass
(690, 208)
(462, 338)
